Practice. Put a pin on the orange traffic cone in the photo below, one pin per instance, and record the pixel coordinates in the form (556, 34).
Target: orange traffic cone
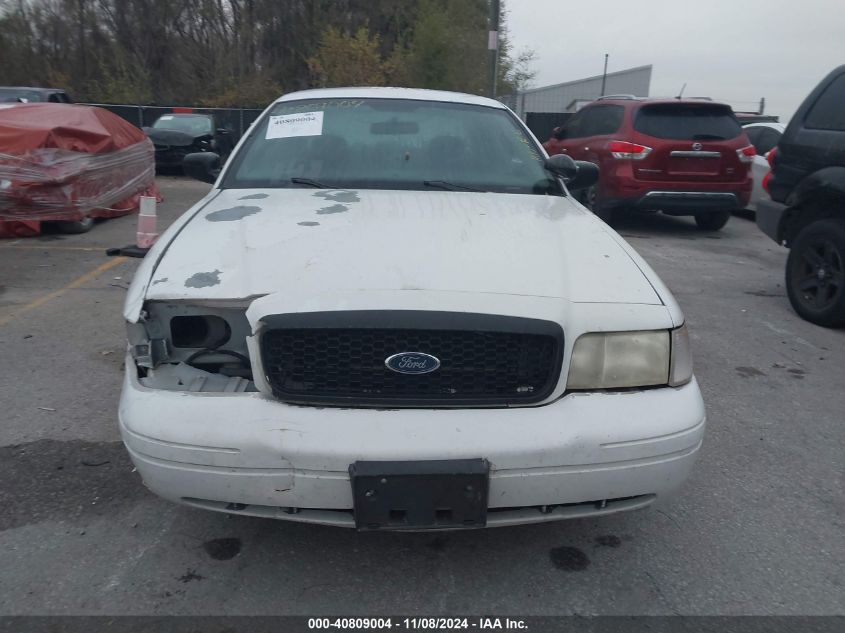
(146, 235)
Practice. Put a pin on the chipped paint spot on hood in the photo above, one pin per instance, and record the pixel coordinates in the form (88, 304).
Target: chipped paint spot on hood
(338, 195)
(233, 214)
(544, 246)
(203, 280)
(335, 208)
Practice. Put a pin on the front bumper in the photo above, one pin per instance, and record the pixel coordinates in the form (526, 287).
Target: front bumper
(171, 156)
(769, 215)
(585, 454)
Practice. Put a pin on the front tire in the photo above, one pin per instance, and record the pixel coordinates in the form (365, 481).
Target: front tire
(815, 273)
(589, 199)
(712, 221)
(74, 227)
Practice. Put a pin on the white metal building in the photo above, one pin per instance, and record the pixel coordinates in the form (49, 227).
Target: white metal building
(567, 97)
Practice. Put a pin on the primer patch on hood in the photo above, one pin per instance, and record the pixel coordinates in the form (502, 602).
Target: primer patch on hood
(232, 214)
(203, 280)
(338, 196)
(254, 196)
(335, 208)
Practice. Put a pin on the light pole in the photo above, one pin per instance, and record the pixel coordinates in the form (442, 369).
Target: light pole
(493, 46)
(604, 76)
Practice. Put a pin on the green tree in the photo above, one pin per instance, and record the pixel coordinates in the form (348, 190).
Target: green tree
(447, 49)
(514, 69)
(343, 60)
(245, 52)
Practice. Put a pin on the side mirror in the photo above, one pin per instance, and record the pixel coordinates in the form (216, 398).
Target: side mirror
(559, 133)
(576, 174)
(204, 166)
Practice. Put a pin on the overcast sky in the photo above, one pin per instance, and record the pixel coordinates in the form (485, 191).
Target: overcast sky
(733, 50)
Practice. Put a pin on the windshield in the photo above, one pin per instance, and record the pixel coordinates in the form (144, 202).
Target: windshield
(687, 122)
(390, 144)
(190, 124)
(13, 94)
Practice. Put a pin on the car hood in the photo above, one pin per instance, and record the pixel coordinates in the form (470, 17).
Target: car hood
(242, 244)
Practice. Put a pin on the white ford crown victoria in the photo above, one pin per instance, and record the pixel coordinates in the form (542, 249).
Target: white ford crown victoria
(390, 313)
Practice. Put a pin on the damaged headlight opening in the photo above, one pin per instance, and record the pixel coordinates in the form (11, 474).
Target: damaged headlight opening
(617, 360)
(200, 331)
(211, 339)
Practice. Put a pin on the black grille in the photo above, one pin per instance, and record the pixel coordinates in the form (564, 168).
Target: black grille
(346, 365)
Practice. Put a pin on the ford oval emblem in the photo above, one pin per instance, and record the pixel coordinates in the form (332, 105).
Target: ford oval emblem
(412, 363)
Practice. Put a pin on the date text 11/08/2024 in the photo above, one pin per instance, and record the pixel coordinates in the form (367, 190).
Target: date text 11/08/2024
(423, 623)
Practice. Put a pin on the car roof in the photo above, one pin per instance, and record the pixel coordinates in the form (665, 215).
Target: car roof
(625, 100)
(413, 94)
(33, 89)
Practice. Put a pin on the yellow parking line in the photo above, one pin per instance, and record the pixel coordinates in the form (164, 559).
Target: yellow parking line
(57, 248)
(93, 274)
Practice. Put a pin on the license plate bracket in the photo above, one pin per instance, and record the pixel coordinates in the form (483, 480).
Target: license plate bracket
(415, 495)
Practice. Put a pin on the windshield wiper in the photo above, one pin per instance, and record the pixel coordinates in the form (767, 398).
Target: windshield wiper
(449, 186)
(310, 183)
(708, 137)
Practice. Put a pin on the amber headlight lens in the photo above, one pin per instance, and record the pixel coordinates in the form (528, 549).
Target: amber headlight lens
(680, 366)
(609, 360)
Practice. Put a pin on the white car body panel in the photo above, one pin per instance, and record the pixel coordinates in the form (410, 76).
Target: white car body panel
(300, 250)
(760, 167)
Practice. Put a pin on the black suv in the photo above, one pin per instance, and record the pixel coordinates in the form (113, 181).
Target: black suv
(807, 209)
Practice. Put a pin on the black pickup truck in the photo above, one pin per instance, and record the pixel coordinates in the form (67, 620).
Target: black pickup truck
(807, 209)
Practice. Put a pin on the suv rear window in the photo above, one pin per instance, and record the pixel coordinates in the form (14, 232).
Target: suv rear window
(828, 112)
(687, 122)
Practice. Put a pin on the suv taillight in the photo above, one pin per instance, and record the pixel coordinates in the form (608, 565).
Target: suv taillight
(624, 149)
(771, 155)
(768, 177)
(746, 154)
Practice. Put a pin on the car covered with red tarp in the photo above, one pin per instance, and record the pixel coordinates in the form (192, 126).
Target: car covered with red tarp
(70, 162)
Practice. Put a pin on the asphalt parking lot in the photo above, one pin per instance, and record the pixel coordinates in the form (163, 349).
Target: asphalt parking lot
(759, 529)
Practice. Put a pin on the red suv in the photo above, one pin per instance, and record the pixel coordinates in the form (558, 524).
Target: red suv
(682, 157)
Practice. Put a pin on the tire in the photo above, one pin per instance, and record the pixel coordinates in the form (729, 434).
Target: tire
(815, 273)
(75, 226)
(588, 199)
(712, 221)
